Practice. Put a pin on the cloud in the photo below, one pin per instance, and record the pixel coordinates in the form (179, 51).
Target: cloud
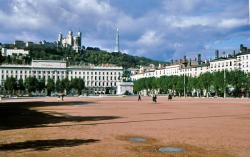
(232, 23)
(161, 30)
(150, 38)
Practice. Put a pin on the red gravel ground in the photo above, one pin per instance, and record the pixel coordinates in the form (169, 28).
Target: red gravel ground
(101, 126)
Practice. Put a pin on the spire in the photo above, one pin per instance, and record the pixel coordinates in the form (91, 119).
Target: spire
(117, 41)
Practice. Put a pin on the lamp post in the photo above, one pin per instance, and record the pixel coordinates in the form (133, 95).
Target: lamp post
(224, 83)
(184, 83)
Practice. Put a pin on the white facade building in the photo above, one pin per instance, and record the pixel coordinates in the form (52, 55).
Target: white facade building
(238, 62)
(97, 78)
(10, 52)
(194, 71)
(243, 61)
(228, 64)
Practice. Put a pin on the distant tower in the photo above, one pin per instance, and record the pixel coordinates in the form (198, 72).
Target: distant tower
(217, 54)
(117, 41)
(79, 35)
(199, 59)
(70, 38)
(78, 42)
(60, 38)
(249, 12)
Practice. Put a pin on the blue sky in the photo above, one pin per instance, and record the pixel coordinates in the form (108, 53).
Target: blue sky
(158, 29)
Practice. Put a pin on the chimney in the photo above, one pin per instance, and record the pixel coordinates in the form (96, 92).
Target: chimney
(199, 59)
(190, 62)
(172, 61)
(217, 54)
(185, 58)
(224, 54)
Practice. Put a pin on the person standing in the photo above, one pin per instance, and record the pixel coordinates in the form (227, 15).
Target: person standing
(139, 97)
(169, 97)
(62, 96)
(155, 98)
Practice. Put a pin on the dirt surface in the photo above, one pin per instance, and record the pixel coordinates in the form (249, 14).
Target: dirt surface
(101, 127)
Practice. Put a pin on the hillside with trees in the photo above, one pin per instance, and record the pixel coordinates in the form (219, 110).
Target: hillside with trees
(85, 56)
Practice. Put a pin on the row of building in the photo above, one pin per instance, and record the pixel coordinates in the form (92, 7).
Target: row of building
(195, 68)
(97, 78)
(11, 52)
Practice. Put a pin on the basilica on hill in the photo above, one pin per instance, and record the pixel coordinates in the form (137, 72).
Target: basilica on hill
(70, 40)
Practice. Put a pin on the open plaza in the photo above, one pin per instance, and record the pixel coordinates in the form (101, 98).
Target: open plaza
(125, 127)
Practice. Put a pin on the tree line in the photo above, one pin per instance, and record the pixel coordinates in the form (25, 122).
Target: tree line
(232, 83)
(33, 85)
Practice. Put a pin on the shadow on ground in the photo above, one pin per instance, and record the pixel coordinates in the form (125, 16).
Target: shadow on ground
(43, 145)
(20, 115)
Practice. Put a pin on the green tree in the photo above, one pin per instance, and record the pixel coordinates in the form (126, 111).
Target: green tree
(41, 85)
(58, 86)
(31, 84)
(65, 83)
(10, 85)
(238, 79)
(20, 85)
(50, 86)
(206, 81)
(78, 84)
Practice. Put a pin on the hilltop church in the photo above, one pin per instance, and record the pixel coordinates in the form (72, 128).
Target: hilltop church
(70, 41)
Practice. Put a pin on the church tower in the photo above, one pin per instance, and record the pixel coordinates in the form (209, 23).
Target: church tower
(60, 38)
(70, 38)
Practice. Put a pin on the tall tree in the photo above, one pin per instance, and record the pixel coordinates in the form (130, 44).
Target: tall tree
(65, 83)
(10, 85)
(78, 84)
(41, 85)
(58, 86)
(31, 84)
(50, 86)
(21, 86)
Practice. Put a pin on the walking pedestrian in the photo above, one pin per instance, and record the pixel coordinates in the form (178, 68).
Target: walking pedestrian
(155, 98)
(169, 97)
(139, 97)
(62, 96)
